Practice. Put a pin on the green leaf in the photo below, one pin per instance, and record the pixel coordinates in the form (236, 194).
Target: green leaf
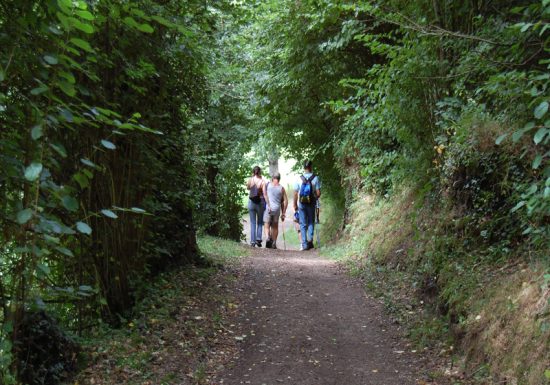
(68, 76)
(84, 27)
(525, 27)
(88, 162)
(51, 59)
(109, 213)
(85, 15)
(162, 20)
(65, 251)
(56, 31)
(2, 75)
(60, 149)
(43, 268)
(540, 134)
(39, 90)
(67, 88)
(108, 145)
(537, 161)
(24, 216)
(83, 44)
(518, 206)
(65, 3)
(547, 371)
(146, 28)
(137, 210)
(531, 190)
(519, 133)
(69, 203)
(546, 192)
(50, 239)
(500, 139)
(37, 132)
(81, 4)
(541, 110)
(32, 172)
(83, 228)
(130, 21)
(82, 180)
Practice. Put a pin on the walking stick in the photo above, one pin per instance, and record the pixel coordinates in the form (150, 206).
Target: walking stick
(284, 238)
(318, 223)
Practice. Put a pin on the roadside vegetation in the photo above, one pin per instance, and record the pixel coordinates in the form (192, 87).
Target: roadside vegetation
(177, 331)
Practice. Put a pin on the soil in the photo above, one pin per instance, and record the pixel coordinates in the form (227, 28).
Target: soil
(303, 321)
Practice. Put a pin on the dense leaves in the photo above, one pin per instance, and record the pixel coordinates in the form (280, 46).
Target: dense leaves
(104, 112)
(382, 93)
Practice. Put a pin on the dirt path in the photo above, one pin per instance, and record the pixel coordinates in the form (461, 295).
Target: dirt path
(304, 322)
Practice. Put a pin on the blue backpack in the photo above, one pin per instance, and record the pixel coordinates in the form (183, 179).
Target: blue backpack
(307, 193)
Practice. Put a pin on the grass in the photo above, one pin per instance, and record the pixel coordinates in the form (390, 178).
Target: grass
(221, 251)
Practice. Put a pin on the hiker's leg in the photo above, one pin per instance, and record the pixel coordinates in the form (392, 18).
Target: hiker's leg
(252, 215)
(267, 230)
(310, 222)
(299, 231)
(267, 225)
(275, 225)
(260, 227)
(303, 226)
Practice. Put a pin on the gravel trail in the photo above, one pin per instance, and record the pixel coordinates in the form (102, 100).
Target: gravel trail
(303, 321)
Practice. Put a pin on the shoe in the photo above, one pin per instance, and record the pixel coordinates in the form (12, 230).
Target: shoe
(274, 245)
(253, 244)
(301, 248)
(259, 243)
(310, 245)
(268, 244)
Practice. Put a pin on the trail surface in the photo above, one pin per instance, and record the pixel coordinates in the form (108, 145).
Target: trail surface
(305, 322)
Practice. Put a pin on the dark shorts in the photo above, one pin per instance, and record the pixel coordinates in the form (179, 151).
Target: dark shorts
(272, 217)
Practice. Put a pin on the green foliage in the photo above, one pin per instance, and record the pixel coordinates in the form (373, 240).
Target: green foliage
(102, 163)
(381, 93)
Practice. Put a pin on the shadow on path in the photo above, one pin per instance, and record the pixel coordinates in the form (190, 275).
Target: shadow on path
(304, 322)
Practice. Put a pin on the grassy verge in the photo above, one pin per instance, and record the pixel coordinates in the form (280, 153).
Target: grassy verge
(221, 251)
(483, 308)
(179, 322)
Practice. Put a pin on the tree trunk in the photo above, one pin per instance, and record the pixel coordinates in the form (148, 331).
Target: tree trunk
(273, 159)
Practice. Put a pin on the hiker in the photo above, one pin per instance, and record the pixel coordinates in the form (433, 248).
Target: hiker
(276, 204)
(306, 194)
(256, 206)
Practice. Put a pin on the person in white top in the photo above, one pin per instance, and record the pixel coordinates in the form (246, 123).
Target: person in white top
(276, 204)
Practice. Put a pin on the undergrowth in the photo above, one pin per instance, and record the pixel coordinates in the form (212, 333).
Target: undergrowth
(455, 290)
(176, 323)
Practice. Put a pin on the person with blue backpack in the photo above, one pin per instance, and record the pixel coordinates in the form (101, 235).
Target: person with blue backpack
(306, 194)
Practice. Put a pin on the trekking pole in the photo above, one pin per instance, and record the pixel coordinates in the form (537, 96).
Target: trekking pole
(284, 238)
(318, 233)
